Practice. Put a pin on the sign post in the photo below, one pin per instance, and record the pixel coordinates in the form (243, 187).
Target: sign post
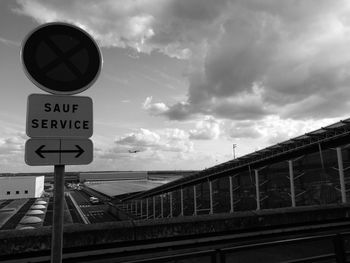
(58, 211)
(61, 59)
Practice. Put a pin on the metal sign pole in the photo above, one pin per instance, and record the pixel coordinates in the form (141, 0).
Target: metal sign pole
(57, 227)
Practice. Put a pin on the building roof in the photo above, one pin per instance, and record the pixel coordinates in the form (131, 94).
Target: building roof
(30, 220)
(36, 207)
(40, 202)
(27, 228)
(35, 212)
(116, 188)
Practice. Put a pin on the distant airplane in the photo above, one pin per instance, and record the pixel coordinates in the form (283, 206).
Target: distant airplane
(135, 151)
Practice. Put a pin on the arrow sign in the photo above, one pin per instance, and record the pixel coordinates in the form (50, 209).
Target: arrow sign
(58, 151)
(41, 150)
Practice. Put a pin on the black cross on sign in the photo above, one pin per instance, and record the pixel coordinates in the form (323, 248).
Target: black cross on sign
(61, 58)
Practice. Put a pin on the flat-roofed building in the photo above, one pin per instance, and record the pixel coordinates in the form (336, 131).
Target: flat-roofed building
(112, 176)
(16, 187)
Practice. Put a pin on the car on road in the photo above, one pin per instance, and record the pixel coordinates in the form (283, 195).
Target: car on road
(94, 200)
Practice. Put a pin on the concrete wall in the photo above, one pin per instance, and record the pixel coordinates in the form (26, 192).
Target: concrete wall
(15, 187)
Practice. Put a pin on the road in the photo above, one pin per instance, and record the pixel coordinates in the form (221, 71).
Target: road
(95, 213)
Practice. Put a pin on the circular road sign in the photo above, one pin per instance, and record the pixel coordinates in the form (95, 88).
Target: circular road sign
(61, 58)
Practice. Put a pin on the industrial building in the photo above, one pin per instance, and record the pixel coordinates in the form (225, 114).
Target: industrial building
(17, 187)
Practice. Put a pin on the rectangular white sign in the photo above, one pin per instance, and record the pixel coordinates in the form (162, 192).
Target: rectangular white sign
(58, 151)
(59, 116)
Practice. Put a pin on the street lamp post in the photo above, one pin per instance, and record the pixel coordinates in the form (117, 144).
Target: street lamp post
(234, 151)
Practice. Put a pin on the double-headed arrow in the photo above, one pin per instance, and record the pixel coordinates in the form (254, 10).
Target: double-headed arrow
(41, 150)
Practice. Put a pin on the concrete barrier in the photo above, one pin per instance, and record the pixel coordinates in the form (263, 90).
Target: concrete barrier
(77, 208)
(79, 235)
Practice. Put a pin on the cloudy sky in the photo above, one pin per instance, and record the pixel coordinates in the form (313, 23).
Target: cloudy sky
(183, 80)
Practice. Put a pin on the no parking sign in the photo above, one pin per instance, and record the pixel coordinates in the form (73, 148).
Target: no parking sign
(61, 58)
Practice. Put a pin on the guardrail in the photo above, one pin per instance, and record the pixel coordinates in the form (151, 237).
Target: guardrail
(81, 214)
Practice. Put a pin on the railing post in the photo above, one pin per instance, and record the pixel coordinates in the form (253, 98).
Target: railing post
(339, 250)
(341, 175)
(154, 207)
(182, 201)
(257, 189)
(211, 197)
(194, 200)
(171, 203)
(222, 257)
(147, 208)
(291, 181)
(321, 155)
(217, 257)
(231, 195)
(141, 209)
